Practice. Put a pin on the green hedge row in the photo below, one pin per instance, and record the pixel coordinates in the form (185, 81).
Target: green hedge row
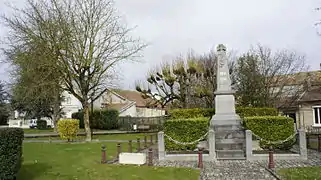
(209, 112)
(99, 119)
(271, 128)
(184, 130)
(10, 152)
(42, 124)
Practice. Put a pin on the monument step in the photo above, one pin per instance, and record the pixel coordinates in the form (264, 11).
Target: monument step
(230, 141)
(229, 146)
(231, 158)
(230, 153)
(240, 134)
(227, 127)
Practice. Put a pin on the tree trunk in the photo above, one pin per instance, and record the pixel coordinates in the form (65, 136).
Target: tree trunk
(56, 110)
(56, 114)
(86, 121)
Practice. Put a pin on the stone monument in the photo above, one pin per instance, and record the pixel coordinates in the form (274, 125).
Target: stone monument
(229, 134)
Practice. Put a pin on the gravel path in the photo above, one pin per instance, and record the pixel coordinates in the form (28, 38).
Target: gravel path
(242, 169)
(225, 170)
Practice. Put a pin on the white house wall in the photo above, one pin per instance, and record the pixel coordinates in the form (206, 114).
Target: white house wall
(70, 104)
(131, 111)
(148, 112)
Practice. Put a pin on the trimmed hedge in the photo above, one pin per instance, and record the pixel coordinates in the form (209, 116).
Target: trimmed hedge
(41, 124)
(68, 129)
(184, 130)
(10, 152)
(271, 128)
(209, 112)
(99, 119)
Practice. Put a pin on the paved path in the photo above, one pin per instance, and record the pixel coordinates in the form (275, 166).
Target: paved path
(243, 170)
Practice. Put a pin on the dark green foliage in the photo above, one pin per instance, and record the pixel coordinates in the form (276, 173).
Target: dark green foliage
(249, 112)
(184, 130)
(41, 124)
(208, 112)
(271, 128)
(4, 107)
(99, 119)
(10, 152)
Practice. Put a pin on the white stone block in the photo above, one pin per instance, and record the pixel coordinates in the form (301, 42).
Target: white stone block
(132, 158)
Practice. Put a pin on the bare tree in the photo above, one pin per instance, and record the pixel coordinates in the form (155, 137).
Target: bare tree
(86, 38)
(187, 82)
(266, 78)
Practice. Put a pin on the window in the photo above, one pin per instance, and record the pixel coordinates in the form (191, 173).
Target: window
(317, 115)
(68, 100)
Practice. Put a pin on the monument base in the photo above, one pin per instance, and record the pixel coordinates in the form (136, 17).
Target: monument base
(229, 136)
(225, 119)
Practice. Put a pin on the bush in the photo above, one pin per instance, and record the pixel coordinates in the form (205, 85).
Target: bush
(68, 128)
(184, 130)
(99, 119)
(10, 152)
(271, 128)
(41, 124)
(209, 112)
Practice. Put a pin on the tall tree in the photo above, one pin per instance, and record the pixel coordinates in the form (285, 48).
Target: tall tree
(265, 78)
(36, 85)
(4, 107)
(187, 82)
(86, 38)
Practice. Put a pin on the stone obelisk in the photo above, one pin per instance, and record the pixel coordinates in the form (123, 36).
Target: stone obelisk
(229, 134)
(224, 95)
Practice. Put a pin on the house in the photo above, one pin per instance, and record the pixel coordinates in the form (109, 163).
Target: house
(306, 109)
(127, 102)
(69, 105)
(131, 103)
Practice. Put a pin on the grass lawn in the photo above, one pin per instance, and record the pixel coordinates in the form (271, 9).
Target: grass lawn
(305, 173)
(36, 131)
(81, 161)
(133, 136)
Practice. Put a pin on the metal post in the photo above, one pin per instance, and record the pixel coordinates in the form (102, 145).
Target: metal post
(145, 141)
(150, 157)
(200, 159)
(138, 144)
(319, 143)
(308, 141)
(151, 139)
(156, 138)
(118, 150)
(271, 164)
(130, 146)
(103, 154)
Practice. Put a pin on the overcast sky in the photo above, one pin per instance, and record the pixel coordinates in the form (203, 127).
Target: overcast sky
(173, 26)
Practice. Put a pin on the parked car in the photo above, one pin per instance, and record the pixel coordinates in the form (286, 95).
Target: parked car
(33, 123)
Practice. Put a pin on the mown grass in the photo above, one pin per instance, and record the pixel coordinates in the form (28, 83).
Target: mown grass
(302, 173)
(67, 161)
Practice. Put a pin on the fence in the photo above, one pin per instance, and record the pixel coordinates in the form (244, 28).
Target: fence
(142, 123)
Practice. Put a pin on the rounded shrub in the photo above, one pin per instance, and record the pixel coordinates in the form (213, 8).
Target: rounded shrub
(99, 119)
(10, 152)
(209, 112)
(184, 130)
(272, 128)
(68, 129)
(41, 124)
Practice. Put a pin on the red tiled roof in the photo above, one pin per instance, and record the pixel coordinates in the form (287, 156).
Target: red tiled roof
(313, 94)
(136, 97)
